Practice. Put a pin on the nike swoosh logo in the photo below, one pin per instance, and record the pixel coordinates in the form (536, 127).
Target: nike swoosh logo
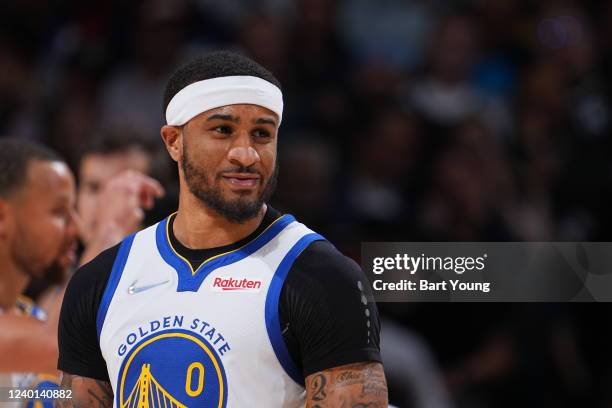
(132, 289)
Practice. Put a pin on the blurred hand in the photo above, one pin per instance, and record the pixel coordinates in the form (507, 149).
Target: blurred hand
(120, 209)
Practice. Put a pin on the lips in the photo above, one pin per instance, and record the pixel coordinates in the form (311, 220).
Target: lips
(242, 181)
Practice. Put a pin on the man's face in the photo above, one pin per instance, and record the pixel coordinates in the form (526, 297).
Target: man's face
(229, 159)
(43, 234)
(95, 171)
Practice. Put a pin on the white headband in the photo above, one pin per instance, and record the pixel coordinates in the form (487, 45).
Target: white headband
(216, 92)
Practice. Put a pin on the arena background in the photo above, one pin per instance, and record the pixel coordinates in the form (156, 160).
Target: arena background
(405, 120)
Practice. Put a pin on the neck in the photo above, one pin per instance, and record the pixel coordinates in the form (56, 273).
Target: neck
(12, 283)
(199, 227)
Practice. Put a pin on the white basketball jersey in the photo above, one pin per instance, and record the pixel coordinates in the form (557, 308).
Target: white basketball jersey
(209, 338)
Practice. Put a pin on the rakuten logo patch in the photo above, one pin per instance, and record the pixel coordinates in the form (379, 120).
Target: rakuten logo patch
(236, 285)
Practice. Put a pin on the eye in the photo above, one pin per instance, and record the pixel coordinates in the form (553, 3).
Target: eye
(92, 187)
(261, 134)
(223, 129)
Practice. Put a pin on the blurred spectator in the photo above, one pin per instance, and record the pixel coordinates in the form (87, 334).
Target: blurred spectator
(305, 185)
(540, 134)
(19, 92)
(385, 157)
(458, 205)
(111, 152)
(398, 33)
(413, 377)
(444, 95)
(131, 96)
(501, 50)
(269, 30)
(315, 90)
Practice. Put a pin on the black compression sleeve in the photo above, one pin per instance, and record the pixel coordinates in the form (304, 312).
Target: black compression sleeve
(326, 319)
(79, 349)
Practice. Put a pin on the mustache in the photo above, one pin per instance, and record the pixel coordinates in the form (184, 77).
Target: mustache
(241, 169)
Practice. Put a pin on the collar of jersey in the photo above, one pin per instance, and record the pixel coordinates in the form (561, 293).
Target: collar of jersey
(190, 279)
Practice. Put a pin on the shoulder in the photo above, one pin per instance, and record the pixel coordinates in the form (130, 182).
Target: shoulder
(92, 277)
(326, 312)
(322, 275)
(321, 260)
(99, 268)
(79, 350)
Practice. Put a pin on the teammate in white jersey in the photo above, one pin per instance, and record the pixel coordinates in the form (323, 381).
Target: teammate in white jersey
(38, 238)
(37, 234)
(226, 303)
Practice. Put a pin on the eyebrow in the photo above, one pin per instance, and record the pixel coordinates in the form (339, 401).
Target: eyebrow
(218, 116)
(230, 118)
(264, 121)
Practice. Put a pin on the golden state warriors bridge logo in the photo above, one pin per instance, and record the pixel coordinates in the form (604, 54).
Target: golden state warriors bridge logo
(173, 368)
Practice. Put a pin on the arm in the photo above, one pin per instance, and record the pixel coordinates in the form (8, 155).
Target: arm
(80, 357)
(360, 385)
(332, 329)
(28, 344)
(86, 393)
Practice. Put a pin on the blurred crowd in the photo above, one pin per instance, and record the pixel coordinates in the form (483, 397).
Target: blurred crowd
(404, 120)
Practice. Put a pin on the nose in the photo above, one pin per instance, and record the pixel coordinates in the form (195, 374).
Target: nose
(242, 153)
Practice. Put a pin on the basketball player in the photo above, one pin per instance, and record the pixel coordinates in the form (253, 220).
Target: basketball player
(38, 236)
(226, 303)
(37, 233)
(30, 344)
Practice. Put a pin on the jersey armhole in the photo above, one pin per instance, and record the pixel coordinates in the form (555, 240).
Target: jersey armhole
(113, 282)
(273, 325)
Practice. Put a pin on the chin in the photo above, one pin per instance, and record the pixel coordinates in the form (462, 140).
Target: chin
(231, 194)
(57, 272)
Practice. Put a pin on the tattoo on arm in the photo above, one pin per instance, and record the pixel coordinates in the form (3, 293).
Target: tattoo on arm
(318, 384)
(361, 385)
(86, 393)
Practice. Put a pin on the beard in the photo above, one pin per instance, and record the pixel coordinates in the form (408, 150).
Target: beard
(38, 266)
(238, 210)
(25, 259)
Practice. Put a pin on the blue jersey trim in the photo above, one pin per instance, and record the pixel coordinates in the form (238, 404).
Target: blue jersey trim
(273, 325)
(43, 388)
(190, 281)
(113, 281)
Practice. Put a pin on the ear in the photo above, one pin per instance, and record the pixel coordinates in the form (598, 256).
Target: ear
(173, 139)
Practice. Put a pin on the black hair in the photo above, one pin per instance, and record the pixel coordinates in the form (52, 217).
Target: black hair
(15, 156)
(113, 140)
(214, 65)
